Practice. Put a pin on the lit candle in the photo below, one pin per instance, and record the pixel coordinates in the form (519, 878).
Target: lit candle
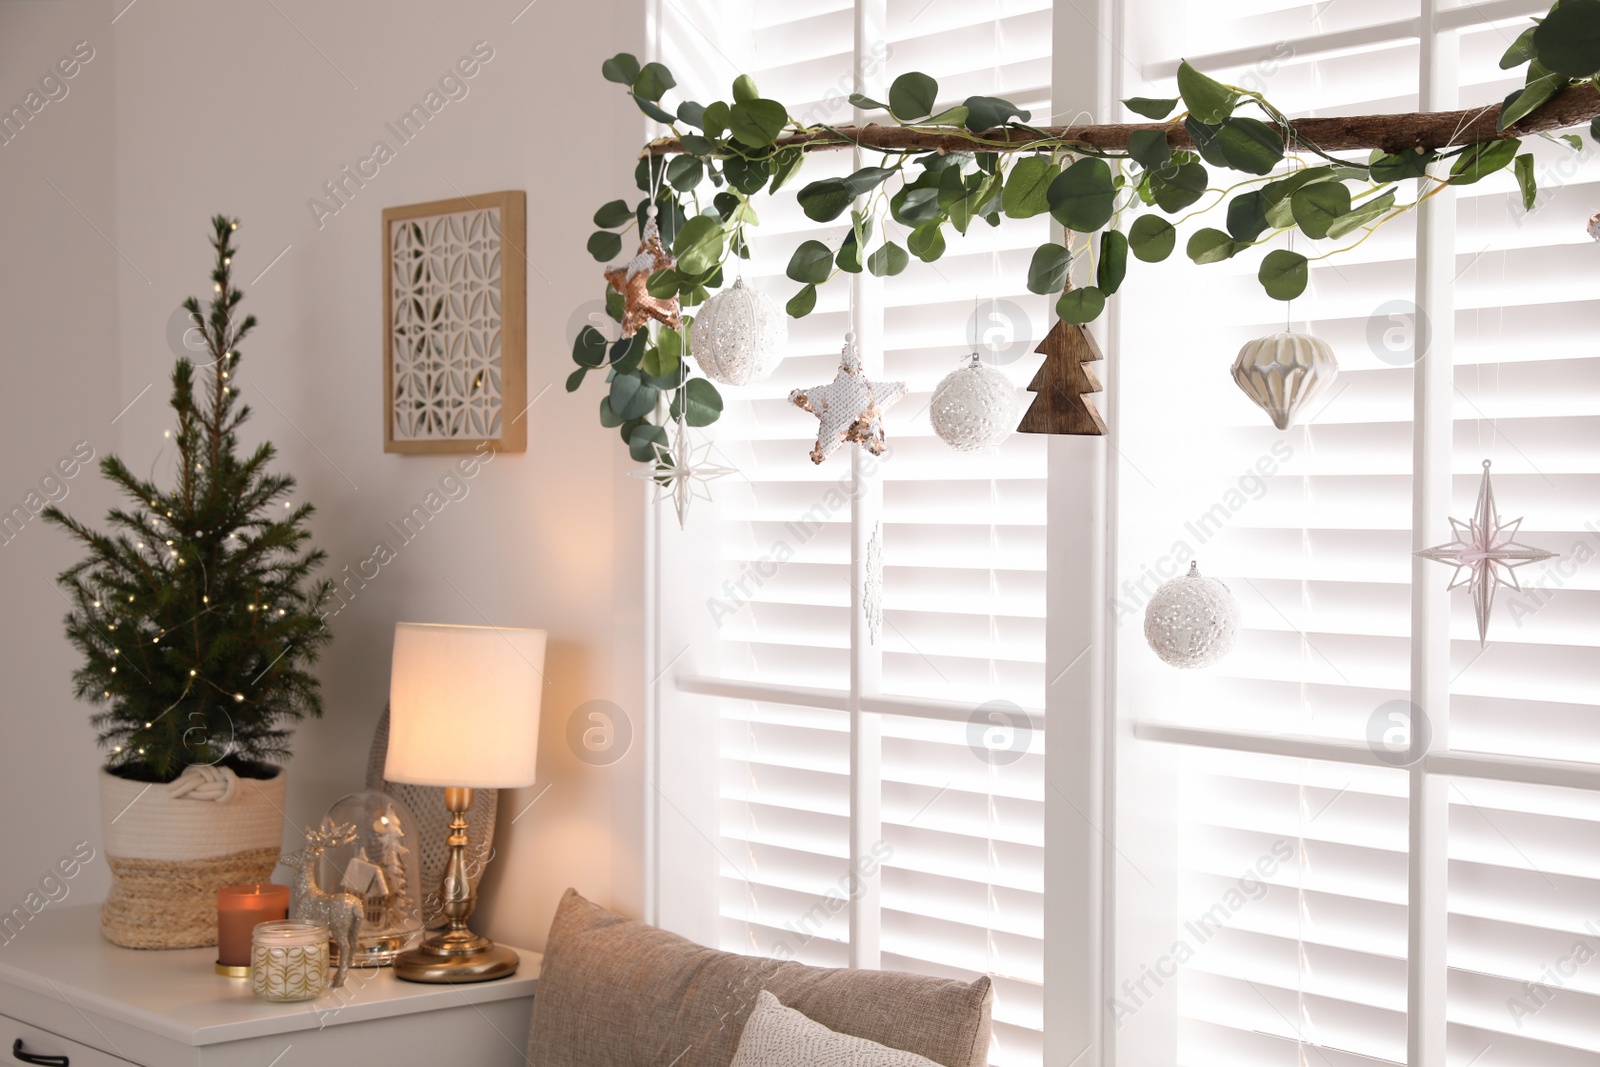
(239, 909)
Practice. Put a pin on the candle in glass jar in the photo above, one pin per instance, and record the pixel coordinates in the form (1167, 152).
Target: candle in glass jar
(239, 909)
(289, 960)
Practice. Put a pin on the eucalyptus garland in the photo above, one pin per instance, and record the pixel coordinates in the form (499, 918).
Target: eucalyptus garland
(1116, 191)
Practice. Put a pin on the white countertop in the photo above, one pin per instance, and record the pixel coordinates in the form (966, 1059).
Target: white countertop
(61, 955)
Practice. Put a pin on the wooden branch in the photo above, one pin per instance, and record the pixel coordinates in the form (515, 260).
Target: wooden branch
(1391, 133)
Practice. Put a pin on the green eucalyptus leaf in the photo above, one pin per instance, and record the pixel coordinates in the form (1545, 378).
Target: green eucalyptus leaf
(1205, 141)
(1149, 148)
(912, 96)
(1152, 238)
(654, 110)
(697, 145)
(1250, 145)
(1541, 87)
(653, 82)
(867, 179)
(1526, 182)
(1283, 274)
(1483, 159)
(802, 303)
(698, 401)
(1081, 305)
(1209, 246)
(625, 352)
(825, 200)
(1247, 218)
(1521, 50)
(664, 284)
(685, 172)
(614, 304)
(849, 257)
(632, 397)
(605, 245)
(1025, 191)
(613, 214)
(1047, 272)
(785, 162)
(987, 112)
(608, 417)
(1568, 40)
(1177, 188)
(866, 103)
(1208, 100)
(1401, 165)
(715, 118)
(647, 442)
(1082, 197)
(575, 379)
(692, 114)
(1315, 207)
(699, 245)
(811, 262)
(658, 362)
(648, 172)
(1359, 216)
(950, 116)
(926, 242)
(1150, 107)
(889, 259)
(1594, 130)
(757, 123)
(746, 175)
(589, 348)
(1113, 261)
(914, 205)
(621, 68)
(744, 88)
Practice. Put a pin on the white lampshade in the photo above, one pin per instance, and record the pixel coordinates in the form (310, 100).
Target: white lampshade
(464, 705)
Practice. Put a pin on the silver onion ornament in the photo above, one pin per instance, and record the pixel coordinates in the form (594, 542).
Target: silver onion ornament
(1283, 372)
(1192, 621)
(739, 336)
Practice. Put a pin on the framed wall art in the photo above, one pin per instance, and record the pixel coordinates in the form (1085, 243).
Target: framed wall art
(455, 324)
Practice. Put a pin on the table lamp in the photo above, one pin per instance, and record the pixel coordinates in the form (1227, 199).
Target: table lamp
(463, 714)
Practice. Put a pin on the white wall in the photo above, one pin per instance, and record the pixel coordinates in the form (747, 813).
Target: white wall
(248, 109)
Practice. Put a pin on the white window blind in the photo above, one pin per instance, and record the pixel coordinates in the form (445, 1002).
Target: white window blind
(820, 716)
(1289, 744)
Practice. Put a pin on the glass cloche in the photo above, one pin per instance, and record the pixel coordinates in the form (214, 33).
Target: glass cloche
(380, 866)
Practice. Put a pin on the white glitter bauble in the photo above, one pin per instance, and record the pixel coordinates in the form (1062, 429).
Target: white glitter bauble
(739, 335)
(1283, 372)
(1191, 621)
(974, 408)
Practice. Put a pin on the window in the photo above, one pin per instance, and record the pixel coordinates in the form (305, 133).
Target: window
(913, 739)
(1294, 889)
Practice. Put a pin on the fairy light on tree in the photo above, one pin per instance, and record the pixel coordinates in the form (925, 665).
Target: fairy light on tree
(208, 679)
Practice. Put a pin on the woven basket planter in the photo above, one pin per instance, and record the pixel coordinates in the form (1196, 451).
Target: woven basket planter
(171, 847)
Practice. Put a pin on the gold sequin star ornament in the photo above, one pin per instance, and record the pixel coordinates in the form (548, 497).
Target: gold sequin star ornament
(1484, 554)
(630, 279)
(849, 408)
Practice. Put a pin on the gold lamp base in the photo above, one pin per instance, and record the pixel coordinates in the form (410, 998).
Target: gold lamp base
(447, 959)
(458, 954)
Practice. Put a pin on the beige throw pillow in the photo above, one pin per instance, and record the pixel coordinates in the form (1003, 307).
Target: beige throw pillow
(776, 1036)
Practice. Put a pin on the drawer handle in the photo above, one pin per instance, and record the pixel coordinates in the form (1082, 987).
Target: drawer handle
(19, 1053)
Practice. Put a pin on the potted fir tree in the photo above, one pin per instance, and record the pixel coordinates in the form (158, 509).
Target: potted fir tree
(197, 619)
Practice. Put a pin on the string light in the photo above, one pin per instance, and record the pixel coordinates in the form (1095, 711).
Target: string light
(217, 286)
(238, 698)
(193, 673)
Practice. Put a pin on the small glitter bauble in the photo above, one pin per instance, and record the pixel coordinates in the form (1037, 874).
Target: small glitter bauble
(1191, 621)
(974, 408)
(739, 335)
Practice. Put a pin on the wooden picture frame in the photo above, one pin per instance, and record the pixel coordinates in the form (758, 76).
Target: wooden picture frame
(455, 323)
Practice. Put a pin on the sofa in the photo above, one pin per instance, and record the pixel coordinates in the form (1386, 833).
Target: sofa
(616, 992)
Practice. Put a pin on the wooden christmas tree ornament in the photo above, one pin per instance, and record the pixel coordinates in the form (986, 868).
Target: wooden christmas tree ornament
(1063, 379)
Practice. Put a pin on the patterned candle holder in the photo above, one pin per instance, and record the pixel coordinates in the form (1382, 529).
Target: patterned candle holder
(289, 960)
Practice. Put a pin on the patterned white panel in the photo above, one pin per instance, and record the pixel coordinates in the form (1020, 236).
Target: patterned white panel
(446, 326)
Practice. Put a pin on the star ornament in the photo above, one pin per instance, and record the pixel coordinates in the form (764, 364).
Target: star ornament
(849, 408)
(682, 472)
(1485, 554)
(631, 279)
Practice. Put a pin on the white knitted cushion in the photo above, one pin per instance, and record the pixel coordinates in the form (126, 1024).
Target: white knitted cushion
(776, 1036)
